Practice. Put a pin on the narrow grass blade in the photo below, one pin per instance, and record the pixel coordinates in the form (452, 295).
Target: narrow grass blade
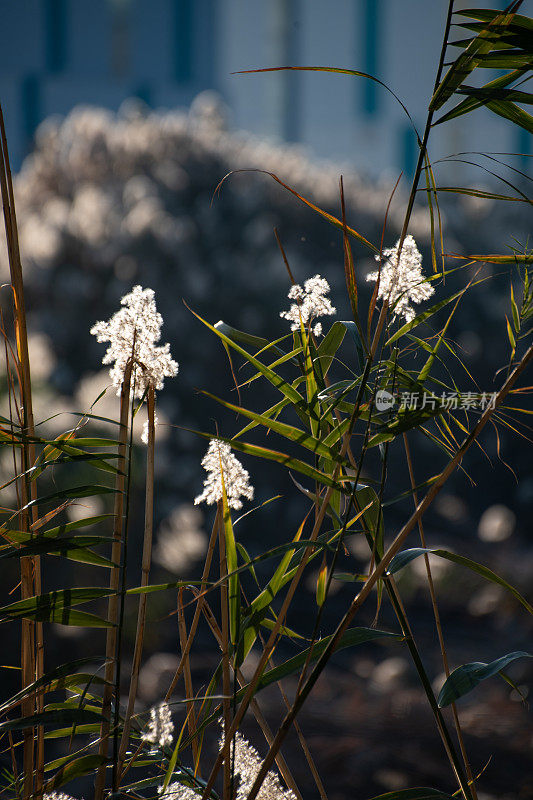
(406, 556)
(287, 431)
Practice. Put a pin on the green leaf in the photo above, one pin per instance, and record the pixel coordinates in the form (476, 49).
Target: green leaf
(326, 350)
(287, 431)
(68, 616)
(425, 315)
(274, 364)
(515, 312)
(488, 14)
(465, 678)
(75, 769)
(64, 716)
(352, 329)
(512, 112)
(350, 577)
(467, 61)
(260, 605)
(310, 385)
(89, 441)
(485, 93)
(336, 432)
(74, 547)
(481, 194)
(234, 591)
(94, 459)
(339, 71)
(64, 733)
(246, 338)
(72, 526)
(405, 421)
(274, 412)
(56, 607)
(53, 677)
(373, 517)
(172, 762)
(280, 458)
(351, 638)
(321, 586)
(74, 492)
(406, 556)
(507, 40)
(506, 59)
(282, 386)
(510, 334)
(496, 258)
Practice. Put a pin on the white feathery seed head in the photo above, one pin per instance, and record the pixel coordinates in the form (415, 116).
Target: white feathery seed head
(218, 461)
(176, 791)
(144, 434)
(311, 302)
(401, 281)
(247, 766)
(58, 796)
(160, 728)
(135, 330)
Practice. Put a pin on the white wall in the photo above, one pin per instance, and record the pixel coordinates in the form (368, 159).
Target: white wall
(325, 112)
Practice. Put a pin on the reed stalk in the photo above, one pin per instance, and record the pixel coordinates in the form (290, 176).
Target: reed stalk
(145, 579)
(259, 716)
(113, 604)
(187, 675)
(32, 642)
(438, 624)
(199, 605)
(224, 644)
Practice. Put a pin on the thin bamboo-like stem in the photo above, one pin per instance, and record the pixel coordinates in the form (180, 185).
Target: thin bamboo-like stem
(32, 643)
(145, 579)
(224, 646)
(269, 736)
(113, 608)
(426, 685)
(423, 154)
(254, 705)
(122, 584)
(303, 744)
(189, 691)
(438, 624)
(381, 568)
(14, 766)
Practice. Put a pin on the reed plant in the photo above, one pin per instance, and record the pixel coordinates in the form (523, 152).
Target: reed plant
(344, 395)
